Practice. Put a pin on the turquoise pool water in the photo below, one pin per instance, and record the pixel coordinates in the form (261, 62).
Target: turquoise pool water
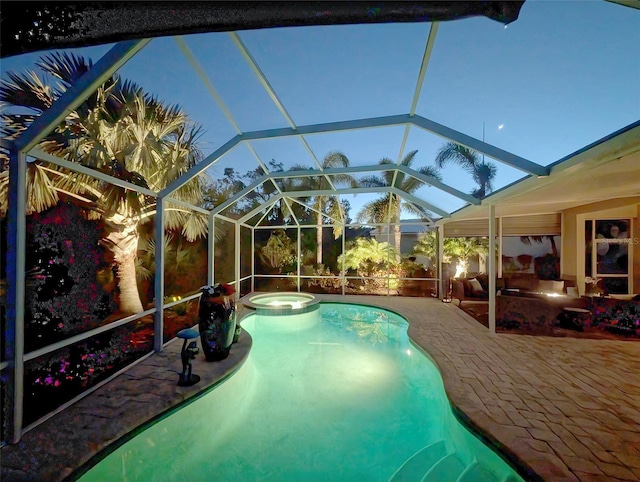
(336, 394)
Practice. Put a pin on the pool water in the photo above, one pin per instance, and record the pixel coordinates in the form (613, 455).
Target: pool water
(337, 394)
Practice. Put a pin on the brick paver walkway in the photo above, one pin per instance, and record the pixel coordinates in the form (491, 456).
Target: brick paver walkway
(568, 409)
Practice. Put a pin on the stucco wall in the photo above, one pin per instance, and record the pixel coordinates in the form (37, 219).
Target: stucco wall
(573, 233)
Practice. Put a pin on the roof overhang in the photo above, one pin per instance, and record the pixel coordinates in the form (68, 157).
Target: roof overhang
(604, 170)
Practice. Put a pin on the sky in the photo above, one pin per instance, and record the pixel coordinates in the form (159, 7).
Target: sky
(564, 75)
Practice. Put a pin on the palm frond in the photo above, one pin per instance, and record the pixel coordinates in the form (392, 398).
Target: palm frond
(195, 227)
(452, 152)
(408, 159)
(417, 210)
(335, 159)
(68, 68)
(372, 181)
(431, 172)
(41, 192)
(28, 91)
(375, 211)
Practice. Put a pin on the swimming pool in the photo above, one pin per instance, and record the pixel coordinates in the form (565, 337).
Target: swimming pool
(336, 394)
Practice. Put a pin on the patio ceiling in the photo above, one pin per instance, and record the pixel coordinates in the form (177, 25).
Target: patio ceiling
(373, 91)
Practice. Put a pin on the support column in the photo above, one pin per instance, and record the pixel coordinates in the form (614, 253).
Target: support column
(299, 244)
(237, 260)
(500, 247)
(344, 275)
(158, 322)
(16, 248)
(253, 259)
(211, 249)
(439, 255)
(491, 268)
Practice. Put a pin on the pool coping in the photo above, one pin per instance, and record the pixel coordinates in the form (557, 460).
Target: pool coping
(534, 395)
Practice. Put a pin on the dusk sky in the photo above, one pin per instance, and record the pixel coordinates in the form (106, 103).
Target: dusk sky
(564, 75)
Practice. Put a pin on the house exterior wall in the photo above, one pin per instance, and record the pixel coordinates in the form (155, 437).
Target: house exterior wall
(573, 234)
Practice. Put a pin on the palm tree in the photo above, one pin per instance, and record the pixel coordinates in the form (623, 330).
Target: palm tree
(325, 204)
(387, 208)
(330, 203)
(483, 172)
(454, 249)
(463, 249)
(119, 130)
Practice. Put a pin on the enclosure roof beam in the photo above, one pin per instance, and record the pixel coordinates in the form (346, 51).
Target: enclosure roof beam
(78, 92)
(201, 166)
(480, 146)
(431, 39)
(239, 195)
(225, 218)
(331, 171)
(291, 198)
(402, 119)
(77, 167)
(419, 202)
(329, 192)
(186, 205)
(371, 122)
(262, 78)
(433, 30)
(375, 168)
(195, 65)
(432, 181)
(216, 96)
(266, 205)
(384, 121)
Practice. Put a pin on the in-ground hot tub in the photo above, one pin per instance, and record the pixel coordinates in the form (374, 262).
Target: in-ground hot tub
(282, 303)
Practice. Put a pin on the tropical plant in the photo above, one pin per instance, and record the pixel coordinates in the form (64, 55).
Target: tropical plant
(459, 250)
(118, 130)
(370, 259)
(279, 251)
(387, 208)
(427, 246)
(463, 249)
(483, 172)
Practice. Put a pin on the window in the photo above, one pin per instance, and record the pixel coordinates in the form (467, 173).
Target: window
(607, 254)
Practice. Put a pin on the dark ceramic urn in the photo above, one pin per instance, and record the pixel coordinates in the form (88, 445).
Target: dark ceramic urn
(216, 321)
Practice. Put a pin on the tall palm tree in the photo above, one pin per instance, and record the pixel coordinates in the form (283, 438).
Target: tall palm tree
(483, 172)
(119, 130)
(330, 204)
(325, 204)
(387, 209)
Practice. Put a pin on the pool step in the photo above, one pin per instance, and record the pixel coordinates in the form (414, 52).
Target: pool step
(511, 478)
(476, 472)
(448, 468)
(414, 468)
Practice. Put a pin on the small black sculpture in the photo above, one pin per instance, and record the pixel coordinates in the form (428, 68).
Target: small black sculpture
(216, 321)
(188, 354)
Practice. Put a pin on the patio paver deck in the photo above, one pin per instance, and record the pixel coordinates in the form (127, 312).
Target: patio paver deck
(569, 409)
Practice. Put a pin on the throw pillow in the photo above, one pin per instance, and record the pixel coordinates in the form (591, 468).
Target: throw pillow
(550, 286)
(476, 287)
(558, 286)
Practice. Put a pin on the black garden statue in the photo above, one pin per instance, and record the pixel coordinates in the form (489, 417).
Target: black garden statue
(216, 321)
